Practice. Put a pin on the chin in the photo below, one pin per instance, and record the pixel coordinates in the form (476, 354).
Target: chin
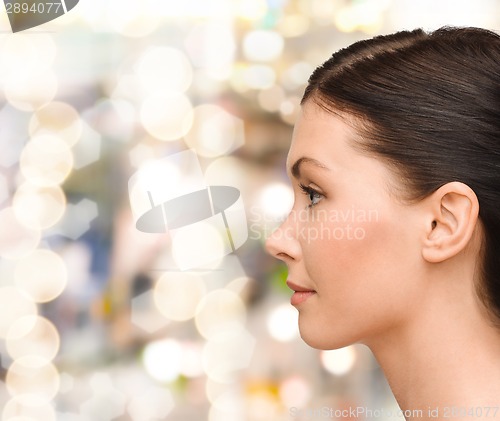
(323, 339)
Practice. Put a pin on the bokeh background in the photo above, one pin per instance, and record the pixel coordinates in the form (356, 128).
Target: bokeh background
(93, 327)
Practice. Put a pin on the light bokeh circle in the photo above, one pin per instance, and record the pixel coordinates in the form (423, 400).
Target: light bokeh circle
(42, 275)
(168, 116)
(195, 243)
(162, 359)
(57, 118)
(215, 132)
(14, 305)
(39, 207)
(164, 69)
(27, 92)
(28, 407)
(34, 376)
(339, 361)
(177, 295)
(16, 240)
(218, 311)
(46, 160)
(32, 335)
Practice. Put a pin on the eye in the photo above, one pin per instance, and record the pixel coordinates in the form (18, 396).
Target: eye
(314, 195)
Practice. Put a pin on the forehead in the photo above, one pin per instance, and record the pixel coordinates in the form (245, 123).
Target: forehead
(319, 135)
(329, 140)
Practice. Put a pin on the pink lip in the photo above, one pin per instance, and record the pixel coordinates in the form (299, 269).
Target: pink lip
(301, 293)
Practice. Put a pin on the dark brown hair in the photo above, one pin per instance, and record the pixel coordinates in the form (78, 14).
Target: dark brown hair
(429, 105)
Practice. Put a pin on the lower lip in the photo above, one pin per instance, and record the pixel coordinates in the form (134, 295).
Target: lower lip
(301, 296)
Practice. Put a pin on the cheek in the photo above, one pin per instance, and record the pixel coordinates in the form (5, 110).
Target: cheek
(359, 268)
(358, 280)
(347, 244)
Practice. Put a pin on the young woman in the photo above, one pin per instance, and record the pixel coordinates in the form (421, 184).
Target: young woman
(394, 237)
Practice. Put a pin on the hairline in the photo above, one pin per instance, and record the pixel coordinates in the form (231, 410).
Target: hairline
(359, 140)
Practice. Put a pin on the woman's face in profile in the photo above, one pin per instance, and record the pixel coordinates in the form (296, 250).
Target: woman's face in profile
(352, 249)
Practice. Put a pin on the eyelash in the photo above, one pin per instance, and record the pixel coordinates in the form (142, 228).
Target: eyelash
(312, 193)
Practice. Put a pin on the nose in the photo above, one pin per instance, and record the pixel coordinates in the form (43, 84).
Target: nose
(283, 242)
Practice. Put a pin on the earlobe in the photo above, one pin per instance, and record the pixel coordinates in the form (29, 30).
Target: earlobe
(453, 211)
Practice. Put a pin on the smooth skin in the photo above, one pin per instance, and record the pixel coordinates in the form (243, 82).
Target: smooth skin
(404, 285)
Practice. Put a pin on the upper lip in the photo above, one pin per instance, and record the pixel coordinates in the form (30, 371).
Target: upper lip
(298, 288)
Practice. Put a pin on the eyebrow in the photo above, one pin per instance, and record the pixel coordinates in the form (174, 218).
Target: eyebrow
(296, 167)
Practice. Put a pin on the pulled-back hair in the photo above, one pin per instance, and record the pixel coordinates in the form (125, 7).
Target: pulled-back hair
(429, 105)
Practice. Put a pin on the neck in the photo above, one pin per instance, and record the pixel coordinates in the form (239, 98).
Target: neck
(447, 355)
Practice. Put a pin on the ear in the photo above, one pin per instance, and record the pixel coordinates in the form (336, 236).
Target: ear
(453, 211)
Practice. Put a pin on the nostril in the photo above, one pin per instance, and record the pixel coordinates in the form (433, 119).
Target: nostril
(278, 246)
